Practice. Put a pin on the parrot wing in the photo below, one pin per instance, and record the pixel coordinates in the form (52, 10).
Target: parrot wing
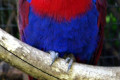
(101, 6)
(23, 9)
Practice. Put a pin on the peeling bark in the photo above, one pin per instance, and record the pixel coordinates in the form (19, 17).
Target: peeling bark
(37, 63)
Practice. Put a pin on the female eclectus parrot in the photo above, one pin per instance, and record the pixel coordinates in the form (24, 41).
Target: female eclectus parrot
(64, 27)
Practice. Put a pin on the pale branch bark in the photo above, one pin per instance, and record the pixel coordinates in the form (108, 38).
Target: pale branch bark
(37, 63)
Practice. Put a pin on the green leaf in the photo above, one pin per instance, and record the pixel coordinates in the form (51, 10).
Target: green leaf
(107, 19)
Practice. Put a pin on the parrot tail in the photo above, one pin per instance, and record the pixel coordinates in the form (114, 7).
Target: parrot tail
(31, 78)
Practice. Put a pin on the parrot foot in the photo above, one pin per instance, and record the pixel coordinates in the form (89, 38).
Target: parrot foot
(54, 56)
(70, 62)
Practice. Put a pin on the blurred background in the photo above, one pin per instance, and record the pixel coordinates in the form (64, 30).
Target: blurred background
(111, 51)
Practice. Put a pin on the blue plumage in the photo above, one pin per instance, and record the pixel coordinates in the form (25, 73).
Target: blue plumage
(29, 1)
(78, 36)
(64, 26)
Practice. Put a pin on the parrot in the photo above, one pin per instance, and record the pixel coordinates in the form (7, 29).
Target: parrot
(71, 28)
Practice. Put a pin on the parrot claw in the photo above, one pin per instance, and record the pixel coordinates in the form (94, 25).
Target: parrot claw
(70, 62)
(54, 56)
(67, 59)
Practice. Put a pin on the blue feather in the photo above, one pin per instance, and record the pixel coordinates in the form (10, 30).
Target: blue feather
(78, 36)
(29, 1)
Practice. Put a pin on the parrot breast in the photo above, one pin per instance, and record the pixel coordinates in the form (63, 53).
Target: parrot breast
(61, 9)
(78, 36)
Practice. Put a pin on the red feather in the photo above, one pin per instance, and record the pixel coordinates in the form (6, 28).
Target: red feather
(66, 9)
(102, 8)
(23, 14)
(30, 78)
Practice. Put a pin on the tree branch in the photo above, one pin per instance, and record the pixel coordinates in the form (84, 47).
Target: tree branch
(37, 63)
